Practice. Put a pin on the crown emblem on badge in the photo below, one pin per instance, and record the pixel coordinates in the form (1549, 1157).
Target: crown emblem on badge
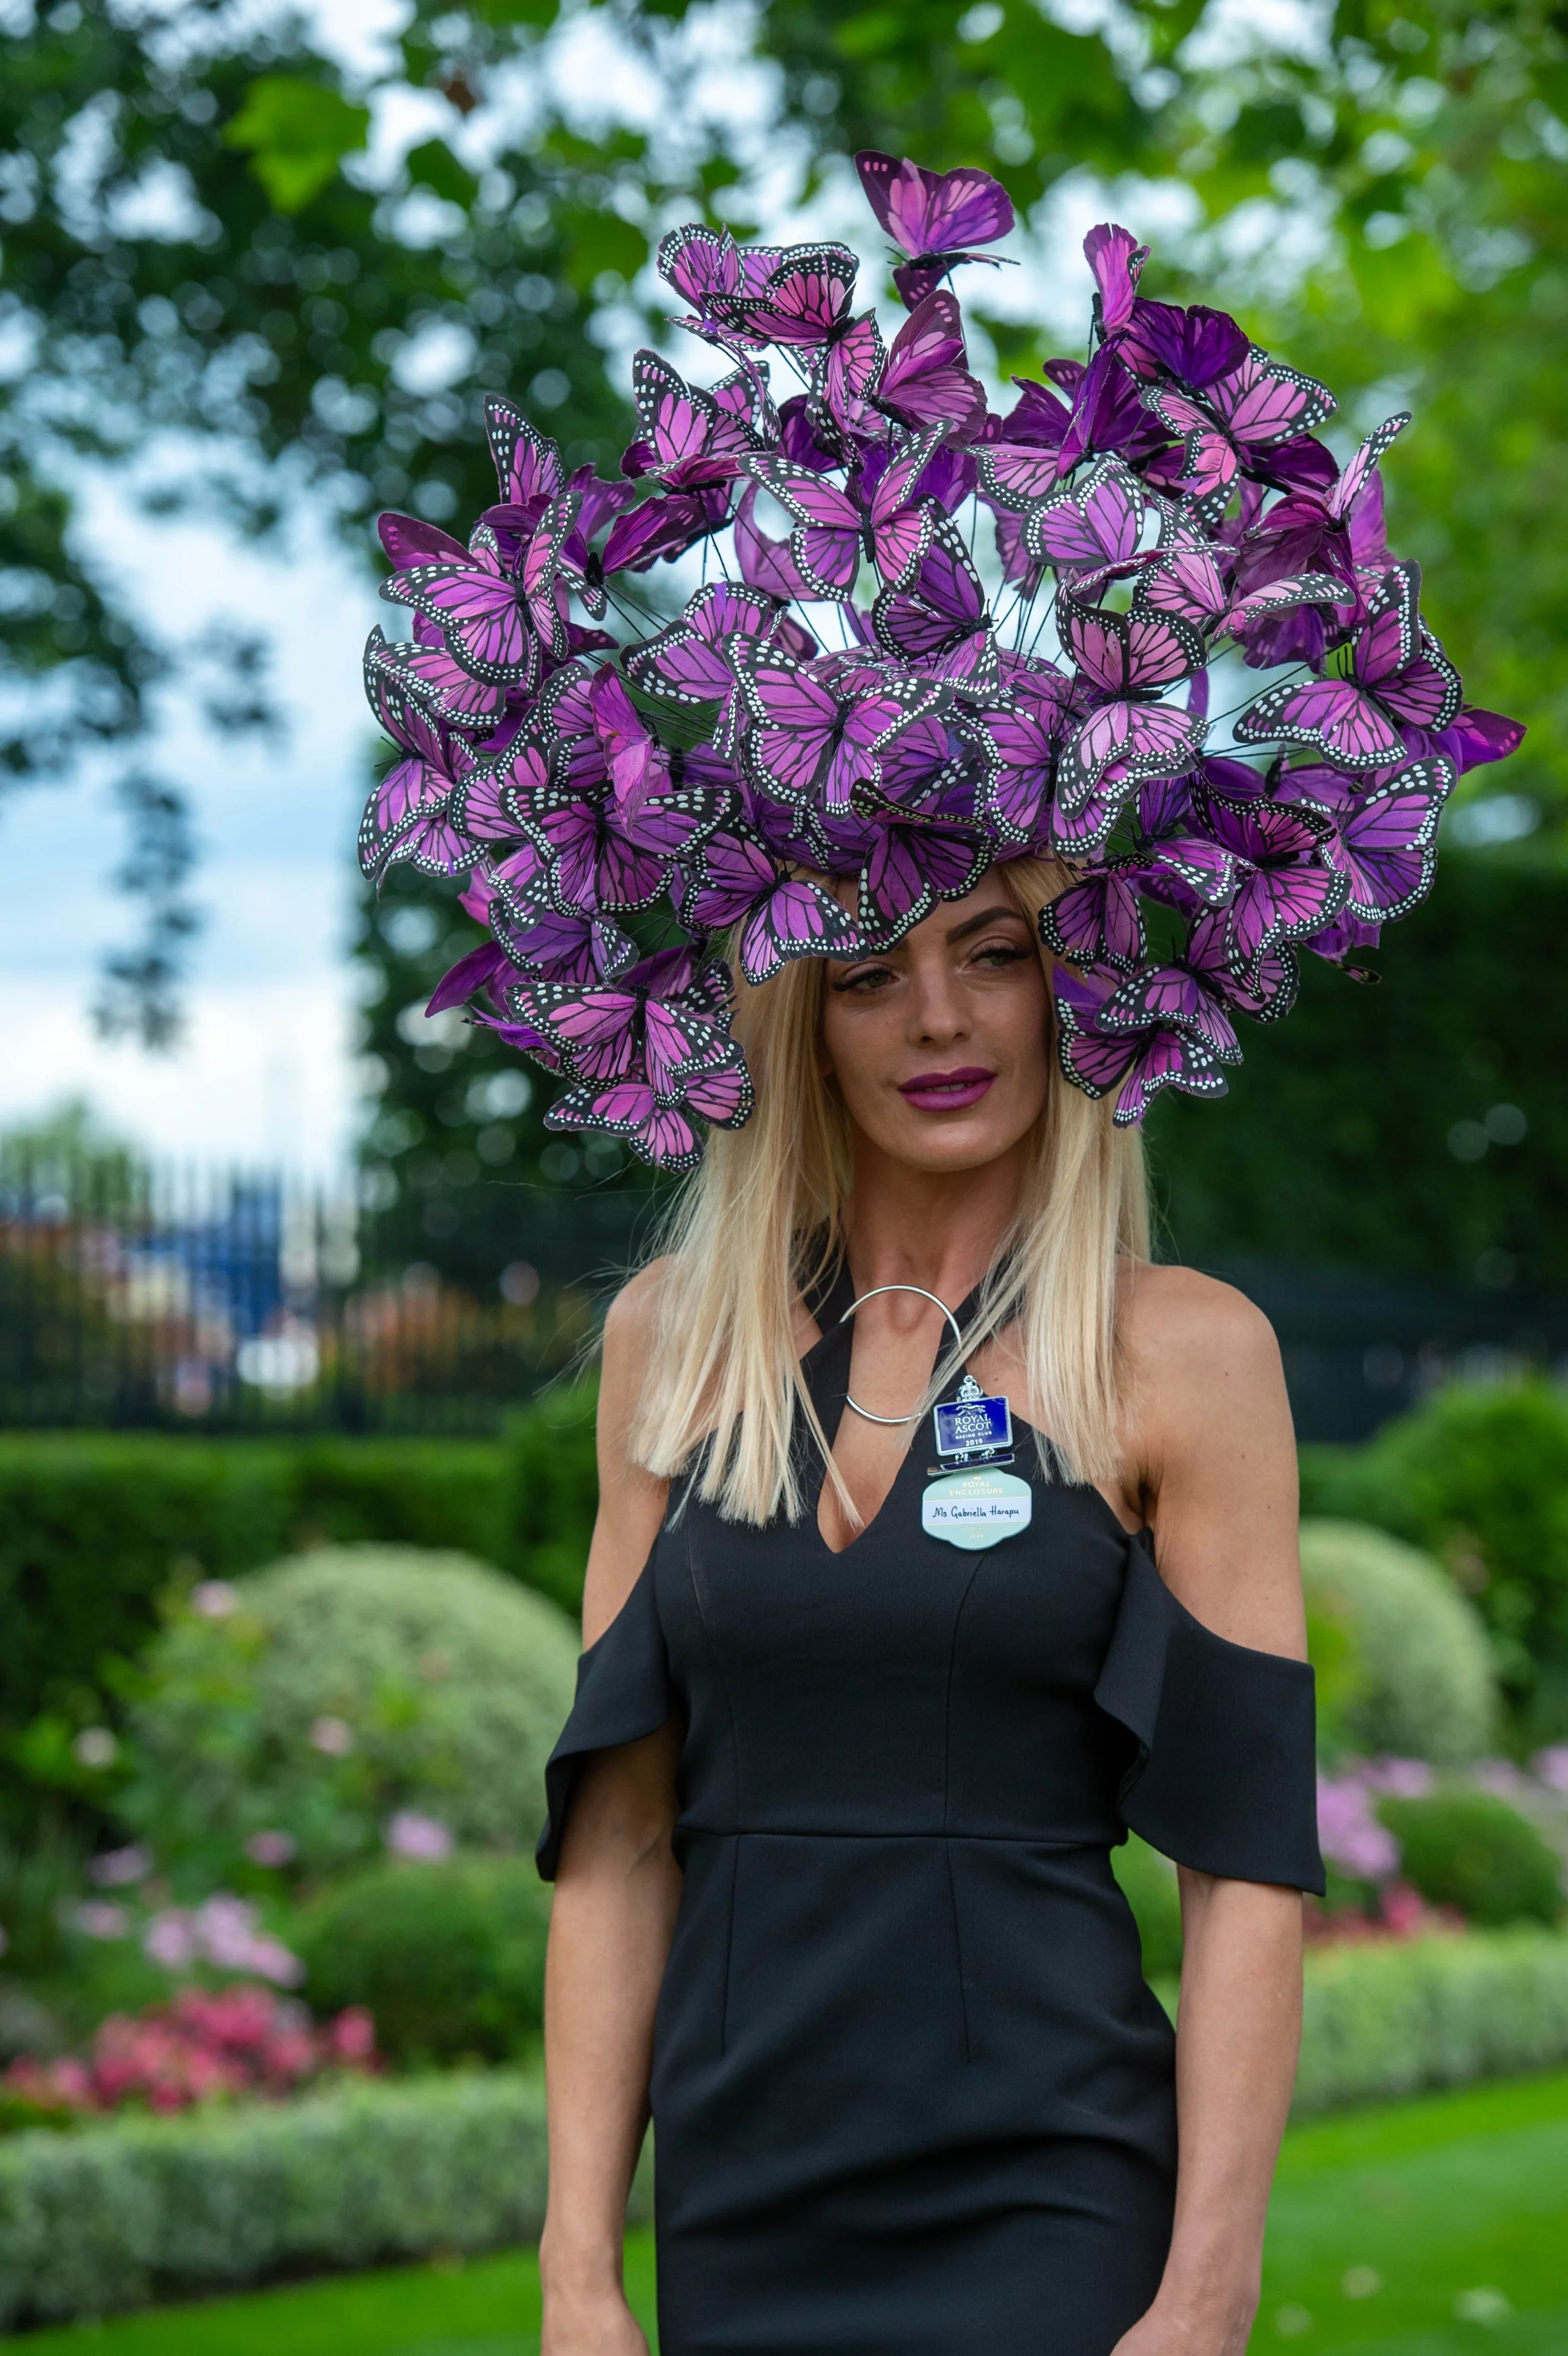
(969, 1389)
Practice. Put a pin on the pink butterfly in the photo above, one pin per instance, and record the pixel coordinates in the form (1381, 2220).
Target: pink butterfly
(834, 529)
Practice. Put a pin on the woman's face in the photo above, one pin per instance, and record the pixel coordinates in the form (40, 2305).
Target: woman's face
(940, 1046)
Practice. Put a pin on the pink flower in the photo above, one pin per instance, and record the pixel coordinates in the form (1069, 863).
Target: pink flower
(333, 1737)
(271, 1849)
(1551, 1767)
(1350, 1835)
(214, 1599)
(1402, 1779)
(117, 1866)
(170, 1939)
(426, 1839)
(100, 1919)
(351, 2038)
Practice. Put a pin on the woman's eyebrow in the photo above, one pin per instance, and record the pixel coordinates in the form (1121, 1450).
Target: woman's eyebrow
(986, 916)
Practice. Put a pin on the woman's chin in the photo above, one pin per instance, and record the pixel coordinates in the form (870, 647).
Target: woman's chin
(946, 1142)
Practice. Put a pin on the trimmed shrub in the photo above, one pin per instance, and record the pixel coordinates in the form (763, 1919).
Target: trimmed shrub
(325, 1696)
(1419, 1681)
(95, 1527)
(1396, 2018)
(1480, 1478)
(1148, 1884)
(1471, 1850)
(448, 1957)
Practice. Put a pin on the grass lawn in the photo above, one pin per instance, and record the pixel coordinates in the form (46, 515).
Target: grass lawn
(1433, 2228)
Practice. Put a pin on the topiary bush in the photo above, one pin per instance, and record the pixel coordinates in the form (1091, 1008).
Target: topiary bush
(1480, 1478)
(1419, 1681)
(321, 1699)
(448, 1957)
(1471, 1850)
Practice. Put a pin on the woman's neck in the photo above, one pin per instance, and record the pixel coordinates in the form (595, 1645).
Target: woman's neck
(938, 1229)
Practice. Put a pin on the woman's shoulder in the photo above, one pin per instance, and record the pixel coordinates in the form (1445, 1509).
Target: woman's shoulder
(1177, 1326)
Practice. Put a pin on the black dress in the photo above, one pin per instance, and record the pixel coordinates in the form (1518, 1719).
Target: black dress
(910, 2094)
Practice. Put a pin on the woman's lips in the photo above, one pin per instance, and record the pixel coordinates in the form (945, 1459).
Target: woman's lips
(947, 1091)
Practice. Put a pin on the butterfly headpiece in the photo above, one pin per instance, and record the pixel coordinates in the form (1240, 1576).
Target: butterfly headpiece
(923, 638)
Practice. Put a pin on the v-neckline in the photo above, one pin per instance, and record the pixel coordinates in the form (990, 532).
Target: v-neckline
(833, 1305)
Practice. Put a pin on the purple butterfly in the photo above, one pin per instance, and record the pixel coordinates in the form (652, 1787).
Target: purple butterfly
(940, 624)
(1472, 738)
(1230, 426)
(408, 818)
(736, 881)
(1023, 738)
(1139, 1065)
(834, 529)
(1116, 260)
(912, 853)
(1192, 344)
(703, 264)
(933, 217)
(434, 678)
(765, 564)
(1042, 441)
(1287, 889)
(528, 469)
(1385, 843)
(692, 439)
(655, 1123)
(478, 609)
(923, 380)
(1129, 660)
(1194, 994)
(553, 946)
(808, 740)
(694, 661)
(1398, 676)
(803, 303)
(1097, 922)
(651, 1023)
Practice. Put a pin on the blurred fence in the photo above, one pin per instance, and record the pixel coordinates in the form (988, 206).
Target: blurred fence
(231, 1301)
(243, 1300)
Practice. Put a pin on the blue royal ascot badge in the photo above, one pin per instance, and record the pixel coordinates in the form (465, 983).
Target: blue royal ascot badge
(973, 1429)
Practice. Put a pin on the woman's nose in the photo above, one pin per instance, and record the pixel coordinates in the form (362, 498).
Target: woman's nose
(937, 1009)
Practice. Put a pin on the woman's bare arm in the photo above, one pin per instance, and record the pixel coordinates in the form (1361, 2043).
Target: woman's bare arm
(616, 1893)
(1216, 1468)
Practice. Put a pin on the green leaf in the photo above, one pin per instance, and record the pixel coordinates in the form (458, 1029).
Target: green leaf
(297, 133)
(680, 726)
(434, 166)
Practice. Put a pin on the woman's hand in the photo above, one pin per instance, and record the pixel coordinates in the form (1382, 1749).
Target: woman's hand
(1170, 2331)
(600, 2325)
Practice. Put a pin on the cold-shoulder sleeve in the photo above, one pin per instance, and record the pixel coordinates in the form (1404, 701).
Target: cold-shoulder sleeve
(624, 1691)
(1225, 1776)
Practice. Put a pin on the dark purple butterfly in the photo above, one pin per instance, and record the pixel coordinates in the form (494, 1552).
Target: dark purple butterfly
(779, 916)
(942, 623)
(1232, 425)
(933, 217)
(1396, 676)
(434, 678)
(1193, 344)
(528, 469)
(1472, 738)
(765, 564)
(1195, 994)
(1139, 1065)
(923, 380)
(655, 1123)
(1287, 889)
(912, 853)
(811, 740)
(1385, 843)
(835, 529)
(1042, 441)
(1129, 660)
(555, 948)
(408, 818)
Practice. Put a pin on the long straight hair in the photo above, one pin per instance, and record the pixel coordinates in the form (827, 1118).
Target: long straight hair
(761, 1222)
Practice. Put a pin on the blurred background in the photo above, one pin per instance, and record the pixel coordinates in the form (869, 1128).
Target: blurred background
(295, 1469)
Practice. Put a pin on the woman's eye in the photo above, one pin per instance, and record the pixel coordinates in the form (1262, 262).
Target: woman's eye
(869, 978)
(1001, 953)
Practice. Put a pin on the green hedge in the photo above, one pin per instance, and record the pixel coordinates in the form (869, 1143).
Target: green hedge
(114, 2215)
(93, 1527)
(1387, 2021)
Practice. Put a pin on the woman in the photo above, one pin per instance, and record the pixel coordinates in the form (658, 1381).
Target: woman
(831, 1820)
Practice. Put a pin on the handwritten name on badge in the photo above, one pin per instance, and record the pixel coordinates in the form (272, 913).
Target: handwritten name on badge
(976, 1509)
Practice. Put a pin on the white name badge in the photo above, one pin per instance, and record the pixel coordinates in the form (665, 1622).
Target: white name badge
(976, 1509)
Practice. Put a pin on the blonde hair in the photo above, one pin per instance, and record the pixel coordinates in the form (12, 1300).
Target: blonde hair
(760, 1223)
